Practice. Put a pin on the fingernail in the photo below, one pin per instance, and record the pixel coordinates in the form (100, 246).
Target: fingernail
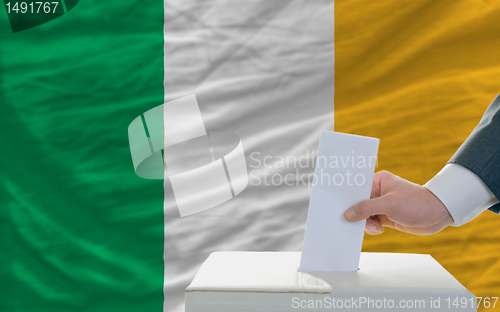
(373, 228)
(352, 214)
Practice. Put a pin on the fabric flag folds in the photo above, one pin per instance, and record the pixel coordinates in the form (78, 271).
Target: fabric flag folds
(262, 70)
(82, 230)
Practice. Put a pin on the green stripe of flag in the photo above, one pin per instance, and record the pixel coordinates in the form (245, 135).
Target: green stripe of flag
(80, 230)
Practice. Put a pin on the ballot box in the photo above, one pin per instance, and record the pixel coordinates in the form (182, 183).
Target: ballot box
(271, 282)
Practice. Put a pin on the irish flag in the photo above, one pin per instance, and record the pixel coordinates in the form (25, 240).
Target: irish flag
(241, 90)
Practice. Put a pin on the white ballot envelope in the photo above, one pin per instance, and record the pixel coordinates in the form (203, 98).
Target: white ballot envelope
(343, 176)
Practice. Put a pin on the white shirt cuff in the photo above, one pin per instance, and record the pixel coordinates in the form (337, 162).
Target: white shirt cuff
(462, 192)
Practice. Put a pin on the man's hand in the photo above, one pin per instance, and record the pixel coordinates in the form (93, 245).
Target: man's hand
(402, 205)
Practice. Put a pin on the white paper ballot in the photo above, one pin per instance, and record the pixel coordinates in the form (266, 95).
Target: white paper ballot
(343, 176)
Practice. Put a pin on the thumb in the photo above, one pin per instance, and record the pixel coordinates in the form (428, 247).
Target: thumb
(367, 208)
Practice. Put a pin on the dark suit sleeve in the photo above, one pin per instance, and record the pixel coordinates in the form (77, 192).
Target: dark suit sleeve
(480, 153)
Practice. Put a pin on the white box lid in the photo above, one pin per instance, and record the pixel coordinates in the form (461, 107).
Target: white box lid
(270, 281)
(278, 271)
